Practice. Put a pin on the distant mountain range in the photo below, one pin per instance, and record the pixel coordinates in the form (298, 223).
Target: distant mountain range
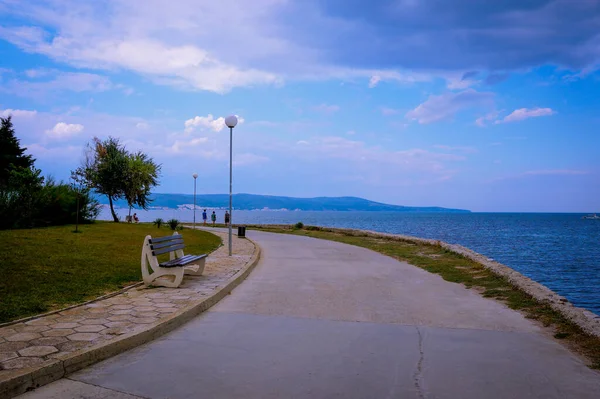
(252, 202)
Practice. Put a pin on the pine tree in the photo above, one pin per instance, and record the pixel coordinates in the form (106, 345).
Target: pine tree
(12, 155)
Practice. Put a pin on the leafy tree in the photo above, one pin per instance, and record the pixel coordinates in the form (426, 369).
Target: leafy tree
(104, 169)
(111, 170)
(12, 155)
(142, 175)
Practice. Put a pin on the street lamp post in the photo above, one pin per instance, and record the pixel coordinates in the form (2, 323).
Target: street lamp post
(195, 176)
(230, 121)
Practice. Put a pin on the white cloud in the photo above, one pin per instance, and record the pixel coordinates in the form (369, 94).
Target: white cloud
(205, 122)
(142, 125)
(411, 164)
(375, 79)
(302, 142)
(525, 113)
(461, 80)
(402, 77)
(17, 113)
(184, 146)
(445, 106)
(124, 36)
(44, 81)
(64, 130)
(327, 108)
(193, 50)
(482, 121)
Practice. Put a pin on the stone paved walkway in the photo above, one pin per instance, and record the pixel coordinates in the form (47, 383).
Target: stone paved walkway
(42, 341)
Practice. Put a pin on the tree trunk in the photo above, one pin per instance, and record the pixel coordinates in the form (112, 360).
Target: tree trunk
(112, 210)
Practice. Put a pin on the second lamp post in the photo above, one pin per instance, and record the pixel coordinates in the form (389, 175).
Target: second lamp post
(195, 176)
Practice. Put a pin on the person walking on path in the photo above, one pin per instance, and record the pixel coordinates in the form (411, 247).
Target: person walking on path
(226, 218)
(204, 217)
(213, 217)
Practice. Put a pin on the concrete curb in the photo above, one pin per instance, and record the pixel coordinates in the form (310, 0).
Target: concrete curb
(26, 379)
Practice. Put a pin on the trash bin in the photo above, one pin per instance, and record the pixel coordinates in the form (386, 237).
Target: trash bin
(241, 231)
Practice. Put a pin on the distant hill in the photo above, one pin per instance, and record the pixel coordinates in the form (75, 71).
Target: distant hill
(252, 201)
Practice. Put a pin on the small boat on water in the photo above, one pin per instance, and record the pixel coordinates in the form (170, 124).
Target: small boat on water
(594, 217)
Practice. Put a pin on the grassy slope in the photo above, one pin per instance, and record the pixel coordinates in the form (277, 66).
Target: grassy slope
(49, 268)
(455, 268)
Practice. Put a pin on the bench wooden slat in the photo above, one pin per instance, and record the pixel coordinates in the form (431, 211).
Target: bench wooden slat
(166, 238)
(166, 244)
(187, 259)
(167, 249)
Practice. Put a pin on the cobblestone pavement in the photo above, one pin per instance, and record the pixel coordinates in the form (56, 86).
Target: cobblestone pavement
(38, 342)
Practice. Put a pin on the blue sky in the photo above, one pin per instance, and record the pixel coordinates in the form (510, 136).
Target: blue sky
(488, 106)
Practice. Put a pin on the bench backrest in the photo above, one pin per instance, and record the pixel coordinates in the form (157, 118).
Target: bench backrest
(162, 245)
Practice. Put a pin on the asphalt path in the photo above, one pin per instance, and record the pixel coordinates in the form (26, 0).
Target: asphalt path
(320, 319)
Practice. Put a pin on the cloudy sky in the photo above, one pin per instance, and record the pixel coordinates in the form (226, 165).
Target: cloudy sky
(488, 106)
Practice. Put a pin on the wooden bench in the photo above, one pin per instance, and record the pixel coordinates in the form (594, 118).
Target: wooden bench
(169, 273)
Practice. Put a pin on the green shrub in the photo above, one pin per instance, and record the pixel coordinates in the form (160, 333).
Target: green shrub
(28, 202)
(299, 225)
(158, 222)
(173, 224)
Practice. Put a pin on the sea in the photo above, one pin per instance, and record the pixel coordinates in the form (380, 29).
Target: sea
(560, 251)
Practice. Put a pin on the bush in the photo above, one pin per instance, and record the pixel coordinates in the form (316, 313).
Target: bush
(173, 224)
(29, 202)
(299, 225)
(63, 204)
(158, 222)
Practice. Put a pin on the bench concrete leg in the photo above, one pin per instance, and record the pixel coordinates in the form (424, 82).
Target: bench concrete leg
(161, 278)
(195, 269)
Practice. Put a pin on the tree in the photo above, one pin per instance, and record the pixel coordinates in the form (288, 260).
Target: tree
(12, 155)
(111, 170)
(104, 169)
(142, 175)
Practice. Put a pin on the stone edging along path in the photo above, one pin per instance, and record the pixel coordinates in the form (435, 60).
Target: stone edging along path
(586, 320)
(37, 351)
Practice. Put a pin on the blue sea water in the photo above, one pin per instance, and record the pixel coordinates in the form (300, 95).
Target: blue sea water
(561, 251)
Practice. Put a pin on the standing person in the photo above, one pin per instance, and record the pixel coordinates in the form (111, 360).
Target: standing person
(226, 218)
(213, 217)
(135, 218)
(204, 217)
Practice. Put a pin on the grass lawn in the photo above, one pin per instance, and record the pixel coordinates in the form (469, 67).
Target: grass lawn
(49, 268)
(458, 269)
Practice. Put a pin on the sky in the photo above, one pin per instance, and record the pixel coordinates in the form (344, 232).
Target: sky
(471, 104)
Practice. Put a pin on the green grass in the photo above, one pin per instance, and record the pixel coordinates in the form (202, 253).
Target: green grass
(49, 268)
(458, 269)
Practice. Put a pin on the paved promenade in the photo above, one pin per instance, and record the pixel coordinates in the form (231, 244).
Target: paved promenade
(319, 319)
